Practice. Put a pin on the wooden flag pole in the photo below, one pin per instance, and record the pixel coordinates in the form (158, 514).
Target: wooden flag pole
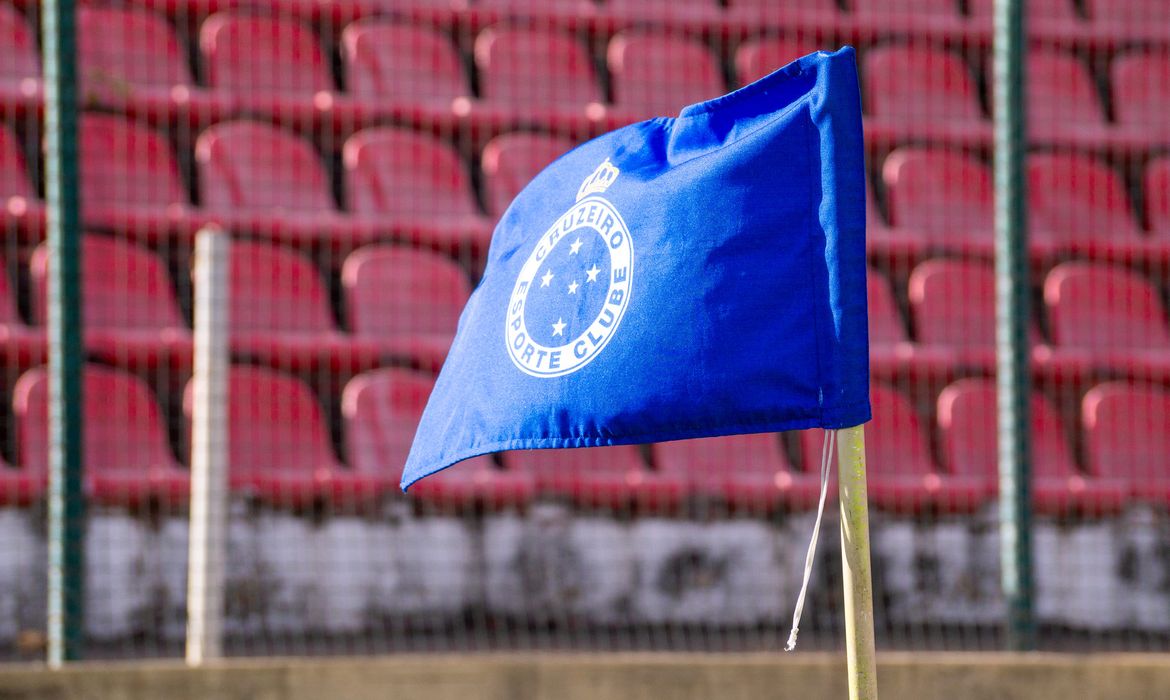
(859, 643)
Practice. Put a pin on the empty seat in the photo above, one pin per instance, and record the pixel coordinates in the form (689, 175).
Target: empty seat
(131, 56)
(247, 166)
(1061, 95)
(381, 410)
(278, 441)
(608, 477)
(405, 299)
(400, 63)
(658, 75)
(20, 345)
(953, 303)
(946, 195)
(20, 207)
(129, 176)
(1074, 198)
(20, 67)
(1141, 91)
(749, 472)
(1127, 436)
(663, 10)
(510, 161)
(397, 172)
(1137, 16)
(967, 418)
(129, 311)
(885, 322)
(902, 473)
(1157, 191)
(756, 58)
(919, 85)
(254, 56)
(893, 10)
(535, 71)
(1104, 307)
(280, 310)
(127, 459)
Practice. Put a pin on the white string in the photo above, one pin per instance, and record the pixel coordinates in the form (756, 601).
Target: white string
(826, 460)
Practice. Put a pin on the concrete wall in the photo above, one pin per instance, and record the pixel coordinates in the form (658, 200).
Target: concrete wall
(604, 677)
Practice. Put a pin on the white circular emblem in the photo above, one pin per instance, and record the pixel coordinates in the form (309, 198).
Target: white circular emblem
(574, 288)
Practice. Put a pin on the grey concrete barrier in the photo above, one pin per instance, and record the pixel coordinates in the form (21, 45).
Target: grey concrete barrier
(636, 676)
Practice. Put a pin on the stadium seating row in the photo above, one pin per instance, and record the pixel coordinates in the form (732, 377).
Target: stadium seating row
(402, 305)
(400, 184)
(282, 453)
(275, 66)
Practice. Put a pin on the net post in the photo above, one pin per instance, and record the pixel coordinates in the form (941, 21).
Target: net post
(207, 541)
(66, 499)
(855, 564)
(1012, 288)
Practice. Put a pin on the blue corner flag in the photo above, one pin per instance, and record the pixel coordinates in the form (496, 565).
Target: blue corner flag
(677, 278)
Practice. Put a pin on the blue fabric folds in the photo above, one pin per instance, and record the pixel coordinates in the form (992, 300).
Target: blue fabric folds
(677, 278)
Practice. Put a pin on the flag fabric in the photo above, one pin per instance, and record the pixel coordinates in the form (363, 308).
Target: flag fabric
(677, 278)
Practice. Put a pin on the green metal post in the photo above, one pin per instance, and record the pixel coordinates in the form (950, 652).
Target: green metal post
(1012, 300)
(66, 495)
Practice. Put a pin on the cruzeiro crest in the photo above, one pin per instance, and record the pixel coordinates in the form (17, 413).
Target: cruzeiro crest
(574, 288)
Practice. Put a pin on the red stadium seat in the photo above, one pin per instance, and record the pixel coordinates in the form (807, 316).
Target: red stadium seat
(401, 64)
(278, 442)
(416, 185)
(953, 304)
(127, 459)
(408, 301)
(538, 74)
(381, 410)
(271, 64)
(773, 13)
(1061, 95)
(280, 312)
(944, 195)
(20, 208)
(1127, 436)
(608, 477)
(1076, 199)
(923, 88)
(129, 310)
(908, 15)
(1157, 189)
(756, 58)
(252, 168)
(398, 172)
(902, 473)
(749, 472)
(130, 59)
(20, 345)
(1141, 92)
(1100, 306)
(885, 322)
(510, 161)
(663, 11)
(129, 178)
(658, 75)
(1129, 17)
(967, 424)
(20, 68)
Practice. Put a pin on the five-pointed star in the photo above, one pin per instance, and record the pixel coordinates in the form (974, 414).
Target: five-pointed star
(548, 275)
(592, 273)
(573, 287)
(559, 327)
(573, 249)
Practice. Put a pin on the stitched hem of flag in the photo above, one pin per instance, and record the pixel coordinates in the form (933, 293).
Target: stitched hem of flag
(851, 419)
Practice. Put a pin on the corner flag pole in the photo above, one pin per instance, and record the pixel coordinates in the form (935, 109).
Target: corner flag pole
(859, 644)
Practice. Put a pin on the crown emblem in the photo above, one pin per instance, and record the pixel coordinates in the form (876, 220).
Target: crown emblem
(599, 181)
